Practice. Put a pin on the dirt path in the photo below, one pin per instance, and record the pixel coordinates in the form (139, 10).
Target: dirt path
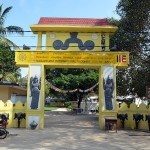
(69, 120)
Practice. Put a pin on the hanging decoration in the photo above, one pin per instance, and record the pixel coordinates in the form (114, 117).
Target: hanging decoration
(70, 91)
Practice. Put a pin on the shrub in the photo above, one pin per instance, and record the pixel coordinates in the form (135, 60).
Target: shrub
(67, 104)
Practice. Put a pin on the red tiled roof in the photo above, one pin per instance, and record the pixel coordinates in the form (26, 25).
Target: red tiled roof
(73, 21)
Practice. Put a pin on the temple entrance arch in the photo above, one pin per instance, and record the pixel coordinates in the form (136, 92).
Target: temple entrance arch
(71, 43)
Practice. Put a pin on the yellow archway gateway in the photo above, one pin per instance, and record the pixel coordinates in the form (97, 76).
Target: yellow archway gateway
(71, 43)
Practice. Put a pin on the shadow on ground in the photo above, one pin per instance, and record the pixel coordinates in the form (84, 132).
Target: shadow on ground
(66, 131)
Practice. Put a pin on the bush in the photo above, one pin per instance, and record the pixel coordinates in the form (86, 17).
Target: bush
(67, 104)
(69, 107)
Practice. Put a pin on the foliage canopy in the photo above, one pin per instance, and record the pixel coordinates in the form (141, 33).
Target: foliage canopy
(133, 35)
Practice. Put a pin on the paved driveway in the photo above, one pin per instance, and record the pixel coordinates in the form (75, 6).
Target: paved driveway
(64, 131)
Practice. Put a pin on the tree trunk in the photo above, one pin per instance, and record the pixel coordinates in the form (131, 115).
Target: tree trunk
(80, 100)
(79, 103)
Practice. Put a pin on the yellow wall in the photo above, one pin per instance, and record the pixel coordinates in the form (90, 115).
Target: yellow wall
(133, 109)
(51, 37)
(10, 109)
(129, 124)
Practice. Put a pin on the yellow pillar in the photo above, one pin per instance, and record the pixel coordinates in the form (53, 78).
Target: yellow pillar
(107, 42)
(35, 110)
(39, 44)
(42, 96)
(100, 98)
(115, 91)
(47, 40)
(100, 43)
(103, 112)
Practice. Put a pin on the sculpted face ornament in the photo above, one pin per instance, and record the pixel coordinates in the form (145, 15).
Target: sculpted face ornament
(19, 116)
(147, 118)
(122, 117)
(58, 44)
(137, 118)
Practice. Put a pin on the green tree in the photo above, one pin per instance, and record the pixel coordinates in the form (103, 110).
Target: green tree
(13, 76)
(8, 69)
(4, 31)
(23, 81)
(133, 25)
(70, 79)
(7, 62)
(46, 90)
(133, 36)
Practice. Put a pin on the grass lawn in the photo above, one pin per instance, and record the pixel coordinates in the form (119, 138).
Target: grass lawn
(48, 108)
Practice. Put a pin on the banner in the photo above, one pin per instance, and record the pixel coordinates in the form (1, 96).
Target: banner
(84, 58)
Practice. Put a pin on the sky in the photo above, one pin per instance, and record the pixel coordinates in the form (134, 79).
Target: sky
(28, 12)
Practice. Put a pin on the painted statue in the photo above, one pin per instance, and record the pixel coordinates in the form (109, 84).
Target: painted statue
(108, 86)
(35, 92)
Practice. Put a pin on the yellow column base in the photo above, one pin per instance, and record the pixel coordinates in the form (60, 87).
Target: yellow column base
(103, 115)
(39, 117)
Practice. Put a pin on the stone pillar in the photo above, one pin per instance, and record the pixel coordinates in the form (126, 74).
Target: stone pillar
(35, 96)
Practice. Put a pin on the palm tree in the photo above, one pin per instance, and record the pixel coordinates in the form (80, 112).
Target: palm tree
(8, 70)
(4, 31)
